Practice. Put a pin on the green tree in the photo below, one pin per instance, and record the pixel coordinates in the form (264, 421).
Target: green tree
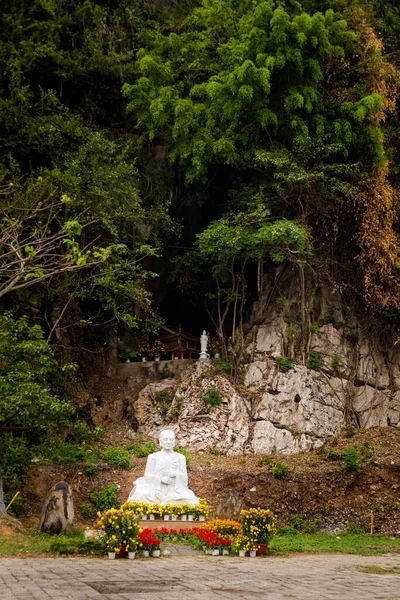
(30, 410)
(71, 209)
(293, 97)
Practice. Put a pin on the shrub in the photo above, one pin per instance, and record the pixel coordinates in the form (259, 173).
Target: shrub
(314, 362)
(221, 365)
(90, 469)
(68, 454)
(336, 360)
(163, 400)
(106, 498)
(367, 456)
(284, 364)
(212, 397)
(350, 432)
(298, 522)
(117, 456)
(352, 529)
(279, 470)
(351, 459)
(87, 509)
(333, 454)
(186, 454)
(140, 448)
(314, 327)
(282, 302)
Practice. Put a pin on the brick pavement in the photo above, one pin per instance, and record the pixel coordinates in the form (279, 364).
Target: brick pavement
(301, 577)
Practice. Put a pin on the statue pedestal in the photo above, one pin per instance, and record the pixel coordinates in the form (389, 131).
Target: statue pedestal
(203, 356)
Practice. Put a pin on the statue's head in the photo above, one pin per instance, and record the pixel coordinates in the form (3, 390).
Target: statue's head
(167, 439)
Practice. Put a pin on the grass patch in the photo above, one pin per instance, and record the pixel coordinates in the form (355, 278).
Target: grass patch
(35, 543)
(365, 544)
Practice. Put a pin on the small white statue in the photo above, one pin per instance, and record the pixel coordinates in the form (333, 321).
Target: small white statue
(203, 345)
(165, 478)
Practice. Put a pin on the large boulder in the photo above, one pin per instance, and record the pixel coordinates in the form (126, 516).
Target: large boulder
(58, 509)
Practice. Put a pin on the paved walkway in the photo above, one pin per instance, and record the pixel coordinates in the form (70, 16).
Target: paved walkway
(302, 577)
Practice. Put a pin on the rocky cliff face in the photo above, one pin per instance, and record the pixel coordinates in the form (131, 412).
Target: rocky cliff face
(338, 374)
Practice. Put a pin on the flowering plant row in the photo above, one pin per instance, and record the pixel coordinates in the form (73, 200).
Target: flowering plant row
(223, 527)
(145, 349)
(145, 508)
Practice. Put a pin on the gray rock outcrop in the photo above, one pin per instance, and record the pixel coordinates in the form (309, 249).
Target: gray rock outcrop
(354, 381)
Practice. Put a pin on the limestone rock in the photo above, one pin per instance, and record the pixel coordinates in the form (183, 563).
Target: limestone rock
(58, 509)
(305, 402)
(374, 407)
(147, 409)
(371, 366)
(329, 342)
(224, 427)
(268, 439)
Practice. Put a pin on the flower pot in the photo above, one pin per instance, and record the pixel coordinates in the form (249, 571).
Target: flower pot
(225, 552)
(202, 518)
(156, 553)
(262, 549)
(253, 553)
(167, 517)
(190, 517)
(111, 555)
(173, 517)
(131, 555)
(144, 359)
(157, 359)
(145, 553)
(215, 552)
(183, 517)
(152, 517)
(242, 553)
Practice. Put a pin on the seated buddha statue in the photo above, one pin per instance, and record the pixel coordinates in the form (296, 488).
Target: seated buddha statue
(165, 479)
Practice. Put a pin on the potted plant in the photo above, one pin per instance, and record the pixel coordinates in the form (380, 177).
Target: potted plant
(200, 510)
(126, 355)
(149, 543)
(157, 350)
(143, 350)
(258, 524)
(119, 527)
(214, 347)
(244, 544)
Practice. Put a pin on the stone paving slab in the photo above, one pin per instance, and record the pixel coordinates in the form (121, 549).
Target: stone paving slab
(301, 577)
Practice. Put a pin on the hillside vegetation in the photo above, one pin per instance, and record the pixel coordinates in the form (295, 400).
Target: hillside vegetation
(154, 150)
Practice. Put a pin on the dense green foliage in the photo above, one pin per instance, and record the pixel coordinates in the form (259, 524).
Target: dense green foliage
(30, 410)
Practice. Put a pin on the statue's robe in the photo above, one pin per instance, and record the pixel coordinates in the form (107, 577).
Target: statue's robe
(150, 488)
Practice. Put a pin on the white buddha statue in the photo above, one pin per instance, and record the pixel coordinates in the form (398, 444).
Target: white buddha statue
(165, 478)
